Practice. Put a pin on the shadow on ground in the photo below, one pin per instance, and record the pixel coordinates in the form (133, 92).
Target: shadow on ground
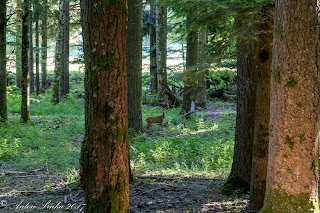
(42, 191)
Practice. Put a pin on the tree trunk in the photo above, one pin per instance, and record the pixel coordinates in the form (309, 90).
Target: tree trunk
(37, 32)
(262, 116)
(292, 178)
(3, 60)
(31, 71)
(135, 65)
(104, 155)
(64, 63)
(161, 47)
(18, 26)
(188, 103)
(58, 55)
(44, 41)
(25, 85)
(201, 97)
(247, 65)
(153, 51)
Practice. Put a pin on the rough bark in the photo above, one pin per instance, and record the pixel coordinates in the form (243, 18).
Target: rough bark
(292, 177)
(104, 155)
(191, 63)
(262, 116)
(44, 41)
(25, 85)
(135, 65)
(247, 65)
(3, 60)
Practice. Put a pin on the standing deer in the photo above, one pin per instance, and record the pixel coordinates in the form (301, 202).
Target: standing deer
(156, 119)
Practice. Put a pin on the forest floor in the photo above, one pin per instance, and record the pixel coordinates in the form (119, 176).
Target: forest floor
(43, 190)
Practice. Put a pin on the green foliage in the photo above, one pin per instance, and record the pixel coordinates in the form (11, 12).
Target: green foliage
(222, 77)
(53, 135)
(199, 145)
(8, 149)
(41, 105)
(202, 144)
(45, 139)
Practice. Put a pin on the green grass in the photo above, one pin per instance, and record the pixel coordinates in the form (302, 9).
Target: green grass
(202, 144)
(199, 145)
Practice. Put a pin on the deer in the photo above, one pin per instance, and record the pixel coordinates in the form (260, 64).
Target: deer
(155, 119)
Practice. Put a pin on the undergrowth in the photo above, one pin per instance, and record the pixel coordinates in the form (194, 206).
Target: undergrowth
(202, 144)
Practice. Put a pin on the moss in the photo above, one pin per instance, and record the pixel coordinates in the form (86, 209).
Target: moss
(291, 82)
(276, 73)
(277, 199)
(314, 166)
(289, 141)
(302, 138)
(280, 32)
(111, 198)
(300, 105)
(110, 1)
(106, 61)
(234, 184)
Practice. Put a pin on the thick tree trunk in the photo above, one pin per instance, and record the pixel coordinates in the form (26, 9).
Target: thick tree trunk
(3, 60)
(25, 85)
(161, 47)
(292, 179)
(262, 117)
(18, 26)
(153, 51)
(44, 38)
(247, 65)
(135, 65)
(104, 155)
(188, 103)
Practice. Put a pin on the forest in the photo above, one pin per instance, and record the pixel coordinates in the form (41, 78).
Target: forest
(159, 106)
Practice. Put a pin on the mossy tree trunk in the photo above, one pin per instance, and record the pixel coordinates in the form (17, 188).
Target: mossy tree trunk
(247, 65)
(153, 51)
(3, 60)
(262, 116)
(135, 65)
(104, 155)
(292, 177)
(189, 88)
(44, 42)
(25, 81)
